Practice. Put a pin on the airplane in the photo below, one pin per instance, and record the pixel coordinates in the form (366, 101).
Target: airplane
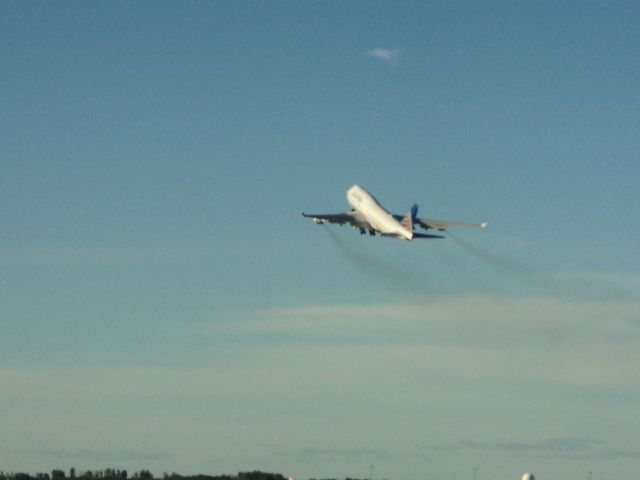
(367, 214)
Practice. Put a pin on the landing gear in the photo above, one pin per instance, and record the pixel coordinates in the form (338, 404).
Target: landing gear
(372, 232)
(362, 231)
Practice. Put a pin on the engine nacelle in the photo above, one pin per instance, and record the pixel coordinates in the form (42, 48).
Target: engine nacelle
(317, 220)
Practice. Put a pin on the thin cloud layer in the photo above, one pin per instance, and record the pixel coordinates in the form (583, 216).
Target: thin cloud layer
(429, 363)
(551, 340)
(569, 447)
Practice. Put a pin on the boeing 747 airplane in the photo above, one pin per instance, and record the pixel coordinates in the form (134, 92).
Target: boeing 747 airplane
(368, 215)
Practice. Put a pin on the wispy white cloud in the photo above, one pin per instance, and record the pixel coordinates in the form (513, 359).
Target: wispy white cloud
(623, 283)
(556, 447)
(386, 54)
(351, 454)
(97, 456)
(522, 317)
(551, 339)
(93, 255)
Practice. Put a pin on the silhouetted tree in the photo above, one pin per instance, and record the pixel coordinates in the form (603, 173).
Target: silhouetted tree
(57, 475)
(143, 475)
(22, 476)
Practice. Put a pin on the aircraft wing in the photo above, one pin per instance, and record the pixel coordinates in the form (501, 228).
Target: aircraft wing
(442, 225)
(341, 218)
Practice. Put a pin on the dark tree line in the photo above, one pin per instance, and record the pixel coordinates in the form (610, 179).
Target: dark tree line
(256, 475)
(106, 474)
(116, 474)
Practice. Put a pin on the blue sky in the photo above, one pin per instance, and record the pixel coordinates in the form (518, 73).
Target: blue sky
(164, 306)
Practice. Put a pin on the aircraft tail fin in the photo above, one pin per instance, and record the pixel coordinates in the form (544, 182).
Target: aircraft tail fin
(410, 218)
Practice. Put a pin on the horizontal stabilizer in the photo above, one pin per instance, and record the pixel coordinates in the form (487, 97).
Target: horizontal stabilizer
(426, 235)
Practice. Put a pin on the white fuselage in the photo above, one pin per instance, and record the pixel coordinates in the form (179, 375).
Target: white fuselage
(380, 219)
